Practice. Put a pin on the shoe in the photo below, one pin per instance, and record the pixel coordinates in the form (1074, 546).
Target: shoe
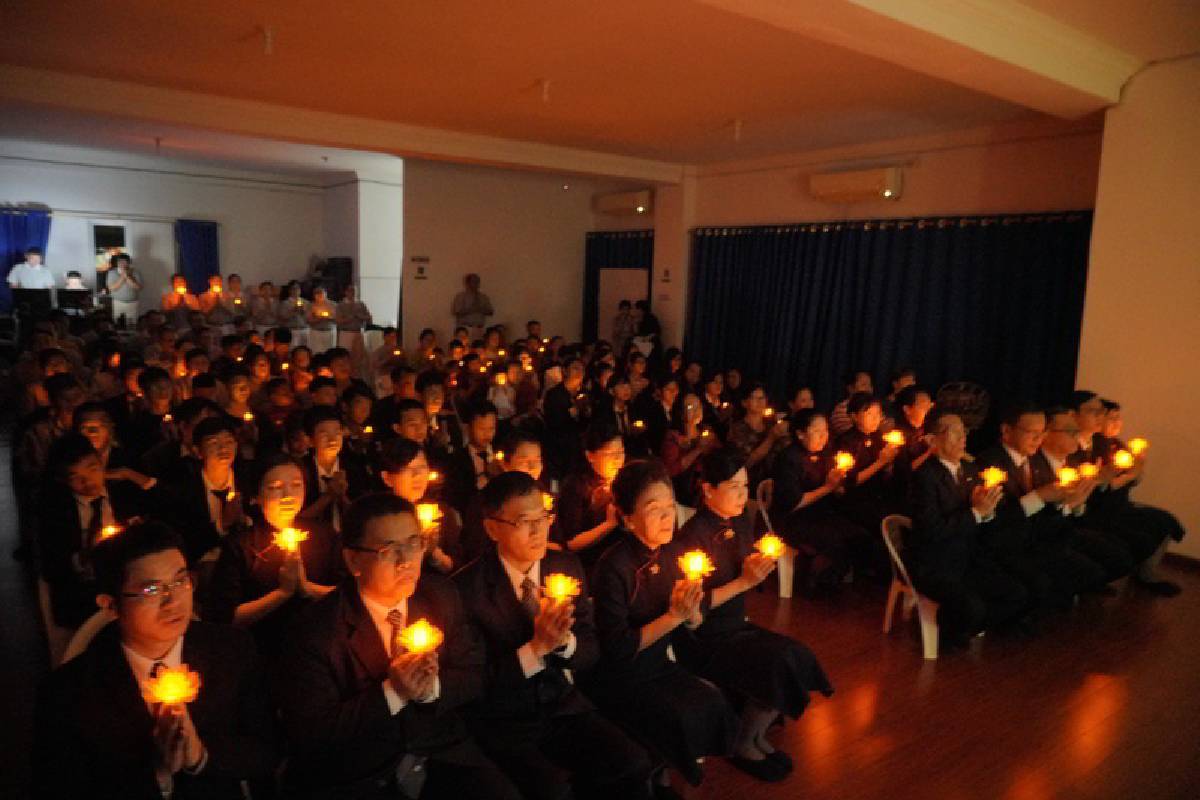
(766, 770)
(1160, 588)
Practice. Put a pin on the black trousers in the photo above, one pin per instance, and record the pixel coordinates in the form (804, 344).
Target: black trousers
(571, 755)
(982, 597)
(449, 781)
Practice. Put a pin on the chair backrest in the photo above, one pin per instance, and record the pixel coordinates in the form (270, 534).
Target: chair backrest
(766, 492)
(894, 527)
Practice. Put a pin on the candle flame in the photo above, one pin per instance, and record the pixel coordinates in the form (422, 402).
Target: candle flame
(428, 514)
(324, 313)
(230, 495)
(501, 379)
(528, 368)
(109, 531)
(420, 637)
(770, 546)
(397, 352)
(502, 353)
(704, 434)
(285, 366)
(547, 501)
(1067, 476)
(541, 349)
(369, 429)
(499, 456)
(216, 290)
(770, 412)
(433, 475)
(1123, 459)
(172, 687)
(562, 587)
(1088, 470)
(843, 461)
(637, 423)
(1138, 446)
(288, 540)
(168, 418)
(993, 477)
(696, 565)
(894, 437)
(248, 416)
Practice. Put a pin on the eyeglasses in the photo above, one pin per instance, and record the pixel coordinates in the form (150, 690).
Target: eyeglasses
(526, 524)
(162, 589)
(396, 552)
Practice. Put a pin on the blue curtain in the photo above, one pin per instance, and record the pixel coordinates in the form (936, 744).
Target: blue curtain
(612, 250)
(993, 300)
(199, 252)
(19, 229)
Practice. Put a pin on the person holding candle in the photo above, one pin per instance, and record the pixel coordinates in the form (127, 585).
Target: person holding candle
(643, 603)
(545, 734)
(212, 305)
(352, 318)
(1040, 555)
(522, 453)
(234, 299)
(1101, 546)
(292, 312)
(178, 301)
(855, 382)
(404, 470)
(566, 414)
(469, 468)
(357, 402)
(322, 331)
(365, 717)
(656, 408)
(943, 552)
(868, 498)
(100, 732)
(152, 422)
(171, 459)
(913, 404)
(757, 437)
(587, 512)
(260, 582)
(717, 412)
(804, 504)
(263, 311)
(1145, 529)
(767, 674)
(683, 445)
(333, 476)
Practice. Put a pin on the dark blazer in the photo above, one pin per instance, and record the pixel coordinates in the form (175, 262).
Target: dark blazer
(186, 506)
(62, 550)
(460, 480)
(1011, 531)
(336, 717)
(93, 734)
(943, 538)
(494, 610)
(359, 480)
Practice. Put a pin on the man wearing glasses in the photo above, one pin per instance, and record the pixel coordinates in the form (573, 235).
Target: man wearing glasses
(544, 733)
(367, 717)
(100, 733)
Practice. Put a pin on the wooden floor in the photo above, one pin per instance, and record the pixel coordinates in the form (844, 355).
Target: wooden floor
(1105, 703)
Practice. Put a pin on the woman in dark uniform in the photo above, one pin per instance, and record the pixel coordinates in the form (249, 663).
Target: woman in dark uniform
(587, 515)
(765, 674)
(804, 506)
(256, 584)
(868, 496)
(643, 604)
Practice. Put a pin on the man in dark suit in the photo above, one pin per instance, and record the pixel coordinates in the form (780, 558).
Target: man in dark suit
(97, 733)
(79, 509)
(366, 716)
(470, 468)
(1039, 555)
(531, 719)
(167, 458)
(152, 423)
(565, 408)
(950, 504)
(333, 475)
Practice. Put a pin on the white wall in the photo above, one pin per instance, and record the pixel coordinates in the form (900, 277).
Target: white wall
(1141, 321)
(271, 225)
(520, 231)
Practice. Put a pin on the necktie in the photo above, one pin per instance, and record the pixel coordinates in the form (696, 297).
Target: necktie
(529, 598)
(1026, 477)
(96, 522)
(222, 496)
(158, 667)
(395, 618)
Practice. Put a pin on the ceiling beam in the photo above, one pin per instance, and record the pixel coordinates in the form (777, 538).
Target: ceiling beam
(997, 47)
(23, 85)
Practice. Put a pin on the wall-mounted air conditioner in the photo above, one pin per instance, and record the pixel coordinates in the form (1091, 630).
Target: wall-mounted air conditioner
(884, 183)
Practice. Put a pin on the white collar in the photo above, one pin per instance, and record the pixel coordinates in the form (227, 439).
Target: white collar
(141, 665)
(229, 483)
(337, 466)
(952, 468)
(88, 502)
(516, 577)
(1017, 459)
(1055, 463)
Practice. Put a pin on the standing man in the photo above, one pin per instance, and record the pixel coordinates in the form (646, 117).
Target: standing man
(124, 284)
(472, 307)
(32, 274)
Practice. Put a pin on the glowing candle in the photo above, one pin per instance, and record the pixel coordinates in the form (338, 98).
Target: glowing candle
(1138, 446)
(299, 304)
(581, 396)
(168, 418)
(180, 290)
(770, 546)
(725, 405)
(562, 587)
(115, 361)
(502, 353)
(109, 531)
(482, 370)
(397, 352)
(1088, 470)
(843, 461)
(324, 313)
(528, 368)
(704, 434)
(547, 501)
(369, 429)
(434, 476)
(696, 565)
(420, 637)
(285, 366)
(230, 495)
(241, 359)
(237, 301)
(993, 477)
(894, 438)
(499, 455)
(288, 540)
(1122, 459)
(1067, 476)
(770, 412)
(216, 290)
(637, 423)
(545, 341)
(248, 417)
(428, 514)
(501, 379)
(172, 687)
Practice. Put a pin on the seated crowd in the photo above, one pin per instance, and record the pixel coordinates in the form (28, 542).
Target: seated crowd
(269, 570)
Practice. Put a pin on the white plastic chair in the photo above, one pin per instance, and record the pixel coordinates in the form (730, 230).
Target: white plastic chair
(785, 567)
(894, 527)
(86, 632)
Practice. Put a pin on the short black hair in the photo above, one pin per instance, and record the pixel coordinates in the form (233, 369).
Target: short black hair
(850, 376)
(598, 434)
(397, 454)
(907, 397)
(283, 335)
(634, 478)
(861, 401)
(66, 452)
(517, 437)
(480, 408)
(721, 464)
(933, 421)
(33, 251)
(800, 420)
(58, 385)
(505, 487)
(151, 376)
(211, 426)
(1079, 397)
(111, 557)
(318, 414)
(399, 371)
(1110, 405)
(1014, 410)
(190, 410)
(270, 462)
(320, 383)
(429, 378)
(368, 507)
